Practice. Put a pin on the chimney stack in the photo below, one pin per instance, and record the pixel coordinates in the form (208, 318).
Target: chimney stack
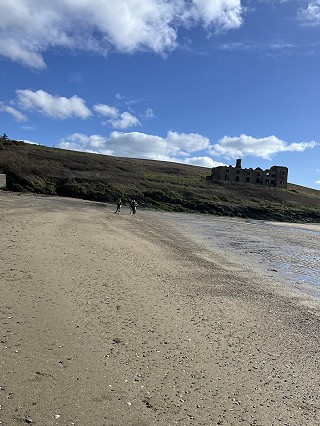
(238, 165)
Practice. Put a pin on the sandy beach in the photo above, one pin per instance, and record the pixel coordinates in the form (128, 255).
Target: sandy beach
(112, 320)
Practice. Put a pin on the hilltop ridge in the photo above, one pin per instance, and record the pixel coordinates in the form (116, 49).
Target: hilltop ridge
(155, 184)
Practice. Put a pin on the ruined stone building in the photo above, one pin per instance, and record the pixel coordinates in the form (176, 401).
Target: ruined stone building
(276, 176)
(3, 180)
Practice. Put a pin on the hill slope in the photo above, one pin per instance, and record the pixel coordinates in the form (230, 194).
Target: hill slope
(155, 184)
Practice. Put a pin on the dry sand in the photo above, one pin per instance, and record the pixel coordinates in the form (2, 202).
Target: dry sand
(113, 320)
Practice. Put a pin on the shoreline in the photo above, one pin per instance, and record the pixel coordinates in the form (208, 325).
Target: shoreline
(282, 251)
(114, 320)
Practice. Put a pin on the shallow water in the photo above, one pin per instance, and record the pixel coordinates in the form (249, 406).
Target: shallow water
(290, 252)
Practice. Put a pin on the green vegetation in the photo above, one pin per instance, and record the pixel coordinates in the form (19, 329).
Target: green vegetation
(154, 184)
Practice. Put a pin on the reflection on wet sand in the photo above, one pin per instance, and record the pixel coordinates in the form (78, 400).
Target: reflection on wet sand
(289, 249)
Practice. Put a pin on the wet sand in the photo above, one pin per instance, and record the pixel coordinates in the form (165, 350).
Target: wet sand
(113, 320)
(289, 252)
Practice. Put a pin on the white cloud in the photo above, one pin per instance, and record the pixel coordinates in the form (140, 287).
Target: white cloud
(14, 49)
(117, 120)
(223, 14)
(310, 16)
(272, 49)
(139, 145)
(17, 115)
(148, 113)
(119, 97)
(27, 127)
(106, 110)
(236, 147)
(81, 142)
(203, 162)
(183, 143)
(236, 46)
(188, 148)
(318, 181)
(30, 142)
(53, 106)
(120, 144)
(29, 27)
(125, 120)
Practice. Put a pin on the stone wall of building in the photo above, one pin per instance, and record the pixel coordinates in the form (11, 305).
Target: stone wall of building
(3, 180)
(276, 176)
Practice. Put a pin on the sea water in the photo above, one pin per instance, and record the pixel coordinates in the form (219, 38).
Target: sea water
(289, 252)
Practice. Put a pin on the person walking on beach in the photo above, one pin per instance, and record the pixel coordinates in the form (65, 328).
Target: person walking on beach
(133, 207)
(119, 204)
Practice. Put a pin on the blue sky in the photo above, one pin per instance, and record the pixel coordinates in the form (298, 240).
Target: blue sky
(200, 82)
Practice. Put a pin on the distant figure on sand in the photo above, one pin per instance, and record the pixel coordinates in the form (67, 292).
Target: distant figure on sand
(133, 207)
(119, 204)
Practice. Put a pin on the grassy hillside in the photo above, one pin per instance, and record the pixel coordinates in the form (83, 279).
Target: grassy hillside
(155, 184)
